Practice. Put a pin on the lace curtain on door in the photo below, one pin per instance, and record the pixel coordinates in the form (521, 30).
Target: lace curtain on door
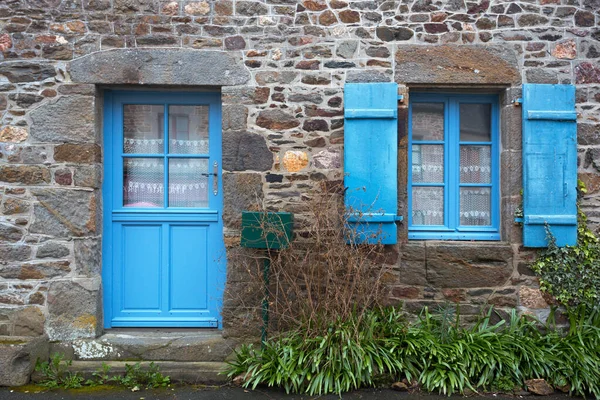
(143, 177)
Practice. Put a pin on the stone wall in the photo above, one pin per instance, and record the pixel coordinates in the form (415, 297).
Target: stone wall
(281, 66)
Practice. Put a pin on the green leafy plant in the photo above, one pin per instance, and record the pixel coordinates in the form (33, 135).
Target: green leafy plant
(135, 375)
(435, 350)
(571, 274)
(55, 373)
(101, 376)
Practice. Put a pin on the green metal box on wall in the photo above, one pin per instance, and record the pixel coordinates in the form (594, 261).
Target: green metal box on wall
(266, 230)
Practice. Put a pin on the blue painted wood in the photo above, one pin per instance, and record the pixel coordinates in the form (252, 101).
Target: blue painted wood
(549, 164)
(162, 267)
(371, 160)
(452, 230)
(190, 259)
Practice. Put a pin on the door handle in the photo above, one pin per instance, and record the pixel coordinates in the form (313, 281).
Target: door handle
(215, 178)
(215, 175)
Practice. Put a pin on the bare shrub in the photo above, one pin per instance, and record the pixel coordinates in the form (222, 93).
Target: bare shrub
(324, 274)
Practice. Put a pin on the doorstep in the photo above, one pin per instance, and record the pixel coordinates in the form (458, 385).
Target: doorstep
(178, 345)
(186, 372)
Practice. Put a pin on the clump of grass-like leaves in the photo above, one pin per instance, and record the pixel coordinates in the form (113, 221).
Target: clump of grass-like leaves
(435, 351)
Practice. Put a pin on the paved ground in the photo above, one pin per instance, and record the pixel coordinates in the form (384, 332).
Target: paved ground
(216, 393)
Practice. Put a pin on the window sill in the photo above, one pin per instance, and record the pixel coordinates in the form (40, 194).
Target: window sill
(466, 236)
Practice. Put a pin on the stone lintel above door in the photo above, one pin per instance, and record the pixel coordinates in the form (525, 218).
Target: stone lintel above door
(150, 66)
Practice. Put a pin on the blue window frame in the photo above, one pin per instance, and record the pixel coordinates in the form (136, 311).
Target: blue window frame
(453, 158)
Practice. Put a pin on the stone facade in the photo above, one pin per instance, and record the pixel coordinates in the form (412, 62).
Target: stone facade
(280, 66)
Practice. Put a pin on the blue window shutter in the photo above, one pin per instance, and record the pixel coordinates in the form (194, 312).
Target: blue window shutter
(371, 160)
(549, 164)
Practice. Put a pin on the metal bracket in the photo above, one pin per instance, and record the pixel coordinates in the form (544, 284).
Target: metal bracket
(517, 102)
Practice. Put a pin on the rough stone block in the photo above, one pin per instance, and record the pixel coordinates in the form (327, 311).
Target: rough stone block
(74, 308)
(234, 117)
(412, 269)
(69, 119)
(10, 233)
(14, 134)
(241, 192)
(88, 176)
(510, 127)
(65, 213)
(588, 134)
(243, 151)
(159, 67)
(18, 356)
(531, 298)
(88, 256)
(52, 250)
(28, 321)
(14, 252)
(449, 64)
(78, 153)
(35, 270)
(458, 265)
(27, 71)
(26, 174)
(512, 173)
(276, 120)
(368, 76)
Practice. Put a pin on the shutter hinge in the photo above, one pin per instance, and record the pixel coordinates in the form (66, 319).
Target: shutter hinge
(401, 98)
(517, 102)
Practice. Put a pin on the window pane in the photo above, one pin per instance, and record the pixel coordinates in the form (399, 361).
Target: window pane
(143, 129)
(475, 122)
(428, 121)
(188, 129)
(427, 206)
(143, 182)
(428, 163)
(475, 164)
(188, 183)
(475, 206)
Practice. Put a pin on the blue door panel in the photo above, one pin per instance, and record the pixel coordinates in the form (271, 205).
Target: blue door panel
(163, 266)
(189, 261)
(141, 267)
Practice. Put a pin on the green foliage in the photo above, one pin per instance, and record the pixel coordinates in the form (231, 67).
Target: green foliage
(101, 377)
(435, 351)
(56, 373)
(136, 376)
(572, 273)
(346, 357)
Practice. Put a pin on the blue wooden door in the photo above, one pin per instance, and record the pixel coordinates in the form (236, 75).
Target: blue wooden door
(163, 246)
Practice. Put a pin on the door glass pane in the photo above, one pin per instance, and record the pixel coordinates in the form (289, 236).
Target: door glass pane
(143, 182)
(188, 129)
(475, 164)
(475, 206)
(428, 121)
(143, 127)
(428, 163)
(475, 122)
(428, 205)
(188, 182)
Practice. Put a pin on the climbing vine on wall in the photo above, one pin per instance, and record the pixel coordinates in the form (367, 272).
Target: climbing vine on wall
(572, 273)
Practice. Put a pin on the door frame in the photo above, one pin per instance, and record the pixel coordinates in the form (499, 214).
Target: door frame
(108, 196)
